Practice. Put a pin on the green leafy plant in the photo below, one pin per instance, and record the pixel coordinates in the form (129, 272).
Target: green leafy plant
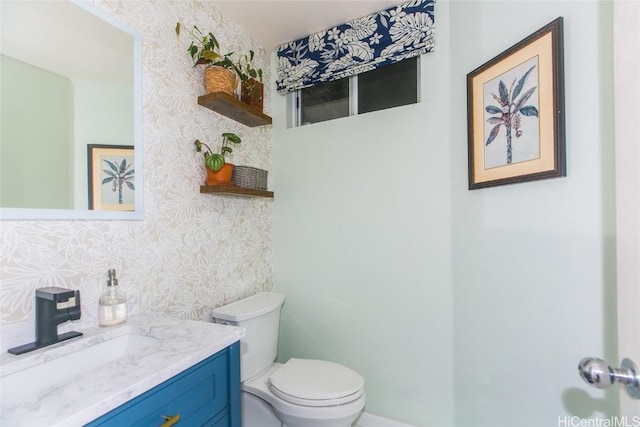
(246, 68)
(215, 161)
(204, 48)
(246, 72)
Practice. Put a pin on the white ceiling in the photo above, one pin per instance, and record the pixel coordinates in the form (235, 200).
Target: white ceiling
(274, 22)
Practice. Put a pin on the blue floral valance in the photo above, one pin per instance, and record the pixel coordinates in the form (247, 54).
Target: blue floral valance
(360, 45)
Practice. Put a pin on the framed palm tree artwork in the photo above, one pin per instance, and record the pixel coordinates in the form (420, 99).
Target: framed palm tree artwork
(515, 112)
(111, 177)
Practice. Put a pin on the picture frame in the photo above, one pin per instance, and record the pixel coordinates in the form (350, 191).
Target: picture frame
(515, 112)
(111, 176)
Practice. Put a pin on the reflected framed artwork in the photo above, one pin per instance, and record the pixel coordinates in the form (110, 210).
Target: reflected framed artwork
(111, 177)
(515, 112)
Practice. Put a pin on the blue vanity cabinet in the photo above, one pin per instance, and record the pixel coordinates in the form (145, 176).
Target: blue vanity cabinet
(207, 394)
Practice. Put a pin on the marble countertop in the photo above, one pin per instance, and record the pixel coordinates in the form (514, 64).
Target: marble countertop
(83, 397)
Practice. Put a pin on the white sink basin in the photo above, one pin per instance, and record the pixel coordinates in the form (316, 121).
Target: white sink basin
(77, 381)
(55, 367)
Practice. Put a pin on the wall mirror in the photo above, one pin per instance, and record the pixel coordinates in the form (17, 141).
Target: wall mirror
(70, 107)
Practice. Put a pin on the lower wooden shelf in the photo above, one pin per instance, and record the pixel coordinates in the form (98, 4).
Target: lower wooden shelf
(232, 190)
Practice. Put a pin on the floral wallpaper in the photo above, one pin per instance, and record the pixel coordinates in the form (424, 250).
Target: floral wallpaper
(192, 251)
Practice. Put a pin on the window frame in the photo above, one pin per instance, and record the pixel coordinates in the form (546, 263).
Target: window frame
(296, 113)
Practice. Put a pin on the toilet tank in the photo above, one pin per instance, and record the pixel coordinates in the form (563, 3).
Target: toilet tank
(260, 316)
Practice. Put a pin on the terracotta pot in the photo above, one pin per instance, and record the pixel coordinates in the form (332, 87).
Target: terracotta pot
(220, 79)
(253, 94)
(221, 177)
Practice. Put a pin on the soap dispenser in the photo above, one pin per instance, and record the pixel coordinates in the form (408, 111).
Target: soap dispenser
(113, 303)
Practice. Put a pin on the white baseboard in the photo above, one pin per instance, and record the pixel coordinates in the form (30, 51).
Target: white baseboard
(370, 420)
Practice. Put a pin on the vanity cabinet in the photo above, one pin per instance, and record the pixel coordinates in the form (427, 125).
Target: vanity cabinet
(207, 394)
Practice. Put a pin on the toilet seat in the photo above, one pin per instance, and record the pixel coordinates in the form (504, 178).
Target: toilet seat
(316, 383)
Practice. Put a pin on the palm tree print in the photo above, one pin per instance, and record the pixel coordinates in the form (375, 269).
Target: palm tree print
(119, 175)
(510, 110)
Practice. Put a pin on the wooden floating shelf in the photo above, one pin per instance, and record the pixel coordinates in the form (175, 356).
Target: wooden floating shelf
(231, 107)
(232, 190)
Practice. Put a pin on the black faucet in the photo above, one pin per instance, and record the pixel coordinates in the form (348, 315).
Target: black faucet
(53, 307)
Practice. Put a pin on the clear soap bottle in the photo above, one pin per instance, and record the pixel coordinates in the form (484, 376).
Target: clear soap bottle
(113, 303)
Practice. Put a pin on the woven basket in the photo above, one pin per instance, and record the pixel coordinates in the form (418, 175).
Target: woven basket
(220, 79)
(248, 177)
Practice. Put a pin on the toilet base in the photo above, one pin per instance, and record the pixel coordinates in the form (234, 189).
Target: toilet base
(293, 421)
(257, 413)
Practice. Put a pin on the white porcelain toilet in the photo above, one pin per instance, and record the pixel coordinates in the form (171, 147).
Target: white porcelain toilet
(298, 393)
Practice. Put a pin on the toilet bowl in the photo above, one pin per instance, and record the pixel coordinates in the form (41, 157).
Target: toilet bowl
(293, 410)
(297, 393)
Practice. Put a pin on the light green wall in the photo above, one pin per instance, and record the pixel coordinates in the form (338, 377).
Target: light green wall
(466, 308)
(103, 122)
(534, 280)
(47, 123)
(35, 141)
(362, 245)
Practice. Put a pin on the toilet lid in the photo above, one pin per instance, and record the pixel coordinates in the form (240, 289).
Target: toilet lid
(316, 383)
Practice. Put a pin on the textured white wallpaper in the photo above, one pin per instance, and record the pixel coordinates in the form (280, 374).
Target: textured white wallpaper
(191, 252)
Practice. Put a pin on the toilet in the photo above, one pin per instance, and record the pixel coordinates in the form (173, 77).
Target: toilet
(297, 393)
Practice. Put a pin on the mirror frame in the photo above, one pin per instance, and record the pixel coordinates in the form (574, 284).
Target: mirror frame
(86, 214)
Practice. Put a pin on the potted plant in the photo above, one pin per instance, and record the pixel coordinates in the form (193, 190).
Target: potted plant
(218, 170)
(222, 73)
(252, 88)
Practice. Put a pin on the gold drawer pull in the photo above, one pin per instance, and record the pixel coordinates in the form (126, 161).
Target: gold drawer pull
(169, 421)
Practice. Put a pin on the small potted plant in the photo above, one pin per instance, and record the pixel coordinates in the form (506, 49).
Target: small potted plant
(222, 73)
(252, 91)
(218, 170)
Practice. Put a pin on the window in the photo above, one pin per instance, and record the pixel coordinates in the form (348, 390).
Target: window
(325, 101)
(386, 87)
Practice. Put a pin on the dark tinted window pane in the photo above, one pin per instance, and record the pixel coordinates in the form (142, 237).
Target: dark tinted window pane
(325, 101)
(390, 86)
